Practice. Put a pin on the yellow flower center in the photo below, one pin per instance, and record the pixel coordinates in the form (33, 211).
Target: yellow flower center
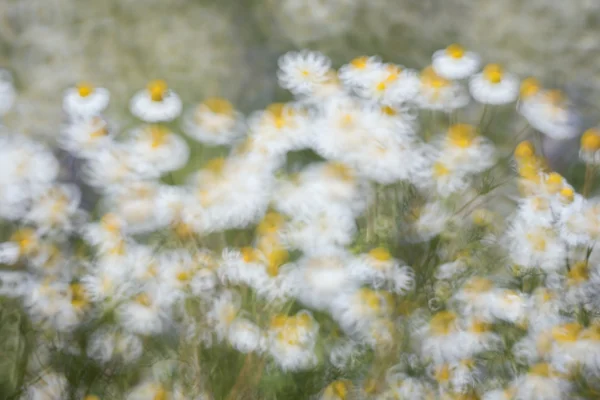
(591, 333)
(478, 285)
(440, 170)
(567, 194)
(78, 296)
(85, 89)
(337, 390)
(360, 62)
(161, 394)
(590, 141)
(556, 97)
(387, 110)
(215, 166)
(380, 254)
(529, 87)
(271, 224)
(537, 241)
(143, 299)
(219, 106)
(462, 135)
(541, 369)
(340, 171)
(431, 79)
(110, 222)
(442, 373)
(480, 327)
(25, 238)
(442, 322)
(579, 273)
(158, 136)
(455, 51)
(493, 73)
(157, 89)
(567, 332)
(276, 259)
(98, 133)
(280, 113)
(524, 150)
(183, 230)
(371, 299)
(184, 276)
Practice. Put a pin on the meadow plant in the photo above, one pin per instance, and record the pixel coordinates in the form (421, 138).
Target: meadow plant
(387, 234)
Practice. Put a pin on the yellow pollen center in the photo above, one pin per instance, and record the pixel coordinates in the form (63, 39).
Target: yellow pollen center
(442, 373)
(157, 89)
(360, 62)
(388, 111)
(380, 254)
(567, 332)
(110, 223)
(433, 80)
(340, 171)
(183, 230)
(567, 194)
(480, 327)
(143, 299)
(161, 394)
(184, 276)
(478, 285)
(537, 241)
(455, 51)
(524, 149)
(78, 296)
(25, 238)
(541, 369)
(218, 105)
(462, 135)
(280, 114)
(440, 170)
(529, 88)
(442, 322)
(493, 73)
(590, 141)
(554, 178)
(371, 299)
(579, 273)
(276, 259)
(85, 89)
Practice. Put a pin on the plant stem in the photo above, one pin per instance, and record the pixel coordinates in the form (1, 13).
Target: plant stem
(590, 173)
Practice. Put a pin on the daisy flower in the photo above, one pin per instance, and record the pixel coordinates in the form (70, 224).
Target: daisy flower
(437, 93)
(145, 314)
(551, 113)
(389, 84)
(494, 86)
(355, 73)
(156, 150)
(214, 122)
(301, 72)
(86, 137)
(589, 152)
(454, 62)
(55, 208)
(85, 101)
(157, 103)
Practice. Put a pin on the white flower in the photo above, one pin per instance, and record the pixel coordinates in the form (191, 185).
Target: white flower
(157, 103)
(245, 336)
(85, 101)
(49, 386)
(358, 71)
(494, 86)
(551, 113)
(437, 93)
(85, 137)
(55, 208)
(301, 72)
(214, 122)
(455, 63)
(389, 84)
(144, 314)
(590, 147)
(155, 150)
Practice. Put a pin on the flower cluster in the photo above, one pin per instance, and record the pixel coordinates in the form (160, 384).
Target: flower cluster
(372, 232)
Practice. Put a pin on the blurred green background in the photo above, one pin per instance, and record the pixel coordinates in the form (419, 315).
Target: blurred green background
(230, 47)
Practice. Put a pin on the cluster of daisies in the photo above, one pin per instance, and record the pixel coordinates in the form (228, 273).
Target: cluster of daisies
(278, 260)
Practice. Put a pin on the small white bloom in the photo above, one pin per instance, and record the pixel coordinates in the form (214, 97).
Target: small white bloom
(454, 62)
(85, 101)
(157, 103)
(214, 122)
(301, 72)
(494, 86)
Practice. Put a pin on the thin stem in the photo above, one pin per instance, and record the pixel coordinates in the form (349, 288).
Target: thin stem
(590, 173)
